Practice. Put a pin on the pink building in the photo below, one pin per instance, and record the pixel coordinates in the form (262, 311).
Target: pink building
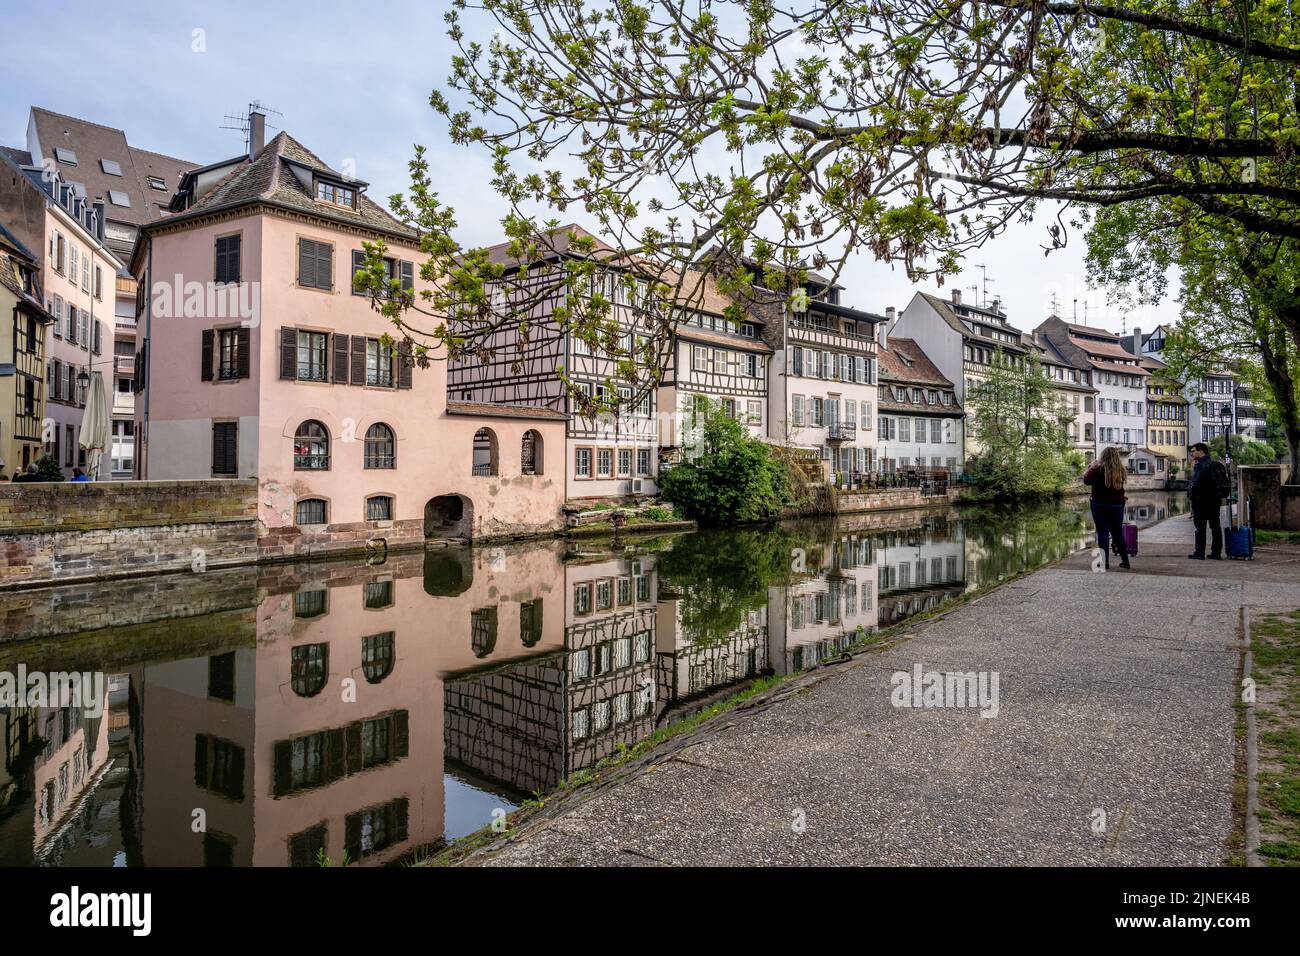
(257, 359)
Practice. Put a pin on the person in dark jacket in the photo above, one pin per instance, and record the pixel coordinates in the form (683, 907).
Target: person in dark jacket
(28, 475)
(1106, 477)
(1203, 491)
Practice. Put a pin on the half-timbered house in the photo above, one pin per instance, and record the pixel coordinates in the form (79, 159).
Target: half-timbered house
(610, 454)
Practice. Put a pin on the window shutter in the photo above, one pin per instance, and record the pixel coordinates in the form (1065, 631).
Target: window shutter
(340, 359)
(288, 352)
(401, 734)
(236, 774)
(334, 752)
(401, 813)
(244, 359)
(72, 324)
(408, 275)
(205, 360)
(306, 262)
(137, 383)
(283, 773)
(405, 366)
(352, 837)
(798, 360)
(358, 360)
(200, 760)
(353, 748)
(324, 265)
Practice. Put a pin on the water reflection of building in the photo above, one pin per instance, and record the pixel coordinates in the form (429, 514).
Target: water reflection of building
(534, 723)
(919, 568)
(830, 603)
(694, 663)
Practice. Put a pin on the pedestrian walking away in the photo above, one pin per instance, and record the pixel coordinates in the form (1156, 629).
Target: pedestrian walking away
(1208, 487)
(1106, 477)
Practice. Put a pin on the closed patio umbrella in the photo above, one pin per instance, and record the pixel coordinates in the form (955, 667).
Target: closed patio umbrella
(96, 430)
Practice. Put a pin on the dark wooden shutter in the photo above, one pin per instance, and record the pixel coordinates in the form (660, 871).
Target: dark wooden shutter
(236, 773)
(244, 358)
(340, 359)
(142, 368)
(334, 754)
(408, 275)
(401, 734)
(227, 259)
(200, 760)
(225, 459)
(288, 352)
(358, 360)
(401, 813)
(306, 262)
(405, 366)
(283, 763)
(324, 265)
(352, 837)
(353, 731)
(205, 359)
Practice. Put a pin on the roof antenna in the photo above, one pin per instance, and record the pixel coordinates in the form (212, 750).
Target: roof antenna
(242, 124)
(1076, 311)
(984, 270)
(1056, 306)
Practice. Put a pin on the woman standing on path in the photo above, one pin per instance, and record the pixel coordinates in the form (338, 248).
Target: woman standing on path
(1106, 478)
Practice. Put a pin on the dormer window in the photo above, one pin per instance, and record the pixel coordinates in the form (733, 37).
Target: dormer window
(335, 194)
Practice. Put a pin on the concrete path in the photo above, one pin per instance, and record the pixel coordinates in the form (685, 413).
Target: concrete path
(1113, 743)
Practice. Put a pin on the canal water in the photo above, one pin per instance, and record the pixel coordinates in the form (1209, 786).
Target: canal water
(293, 714)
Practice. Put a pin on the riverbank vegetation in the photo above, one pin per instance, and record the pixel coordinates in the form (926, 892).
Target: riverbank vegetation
(1021, 426)
(729, 476)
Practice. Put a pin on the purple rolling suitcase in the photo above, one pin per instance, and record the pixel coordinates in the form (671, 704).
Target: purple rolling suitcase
(1130, 540)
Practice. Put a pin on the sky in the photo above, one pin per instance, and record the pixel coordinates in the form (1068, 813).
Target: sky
(352, 83)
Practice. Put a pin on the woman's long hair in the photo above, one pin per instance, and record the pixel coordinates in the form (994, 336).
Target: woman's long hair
(1112, 469)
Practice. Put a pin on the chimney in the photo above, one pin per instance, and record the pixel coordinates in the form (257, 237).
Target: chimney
(256, 133)
(1137, 341)
(996, 306)
(956, 296)
(884, 328)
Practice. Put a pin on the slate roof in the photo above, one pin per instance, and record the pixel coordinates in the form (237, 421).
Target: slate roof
(268, 179)
(494, 410)
(93, 142)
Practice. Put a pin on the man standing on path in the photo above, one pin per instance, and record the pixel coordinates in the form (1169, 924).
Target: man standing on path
(1207, 488)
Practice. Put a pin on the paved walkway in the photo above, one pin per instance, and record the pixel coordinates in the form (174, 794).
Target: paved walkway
(1116, 697)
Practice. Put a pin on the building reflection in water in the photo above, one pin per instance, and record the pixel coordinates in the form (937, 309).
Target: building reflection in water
(288, 714)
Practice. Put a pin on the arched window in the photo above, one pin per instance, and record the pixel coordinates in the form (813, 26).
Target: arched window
(377, 656)
(311, 511)
(531, 456)
(311, 447)
(485, 452)
(381, 447)
(309, 668)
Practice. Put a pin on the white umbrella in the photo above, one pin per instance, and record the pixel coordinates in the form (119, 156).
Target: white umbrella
(96, 430)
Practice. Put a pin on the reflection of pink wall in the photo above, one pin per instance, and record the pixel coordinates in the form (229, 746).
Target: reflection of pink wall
(176, 707)
(431, 641)
(434, 450)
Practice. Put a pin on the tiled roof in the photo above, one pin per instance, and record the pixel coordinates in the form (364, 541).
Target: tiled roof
(495, 410)
(555, 244)
(268, 179)
(893, 364)
(93, 142)
(1119, 367)
(1103, 349)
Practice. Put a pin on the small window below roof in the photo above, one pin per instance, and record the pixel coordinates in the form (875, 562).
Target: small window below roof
(119, 198)
(111, 167)
(157, 182)
(65, 156)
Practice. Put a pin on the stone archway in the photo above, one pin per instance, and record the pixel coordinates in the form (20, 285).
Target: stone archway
(449, 516)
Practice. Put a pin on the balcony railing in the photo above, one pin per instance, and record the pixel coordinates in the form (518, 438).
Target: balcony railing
(841, 431)
(817, 333)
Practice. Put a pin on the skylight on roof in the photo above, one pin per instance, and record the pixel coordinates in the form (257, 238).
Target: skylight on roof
(65, 156)
(157, 182)
(119, 198)
(111, 167)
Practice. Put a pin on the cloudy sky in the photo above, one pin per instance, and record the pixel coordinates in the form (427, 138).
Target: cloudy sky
(352, 83)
